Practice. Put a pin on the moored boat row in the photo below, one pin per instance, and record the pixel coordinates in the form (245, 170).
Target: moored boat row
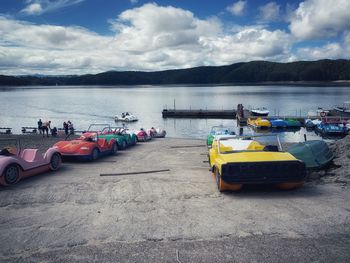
(328, 126)
(324, 126)
(261, 123)
(99, 140)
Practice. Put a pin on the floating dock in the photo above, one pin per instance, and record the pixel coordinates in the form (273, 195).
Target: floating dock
(199, 113)
(242, 118)
(5, 130)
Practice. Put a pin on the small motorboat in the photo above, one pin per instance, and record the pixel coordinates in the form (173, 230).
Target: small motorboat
(126, 116)
(315, 154)
(343, 111)
(260, 112)
(259, 123)
(278, 123)
(311, 124)
(330, 129)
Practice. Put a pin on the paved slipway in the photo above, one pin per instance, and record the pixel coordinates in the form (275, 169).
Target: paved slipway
(76, 215)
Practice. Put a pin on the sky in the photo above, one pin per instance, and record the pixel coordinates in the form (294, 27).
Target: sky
(69, 37)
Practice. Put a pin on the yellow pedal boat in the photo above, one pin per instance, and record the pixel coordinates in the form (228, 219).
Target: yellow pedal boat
(259, 123)
(236, 161)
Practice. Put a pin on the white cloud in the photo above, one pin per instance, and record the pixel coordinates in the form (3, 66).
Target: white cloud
(333, 50)
(151, 27)
(237, 8)
(37, 7)
(19, 33)
(269, 12)
(33, 9)
(47, 49)
(317, 19)
(249, 44)
(149, 37)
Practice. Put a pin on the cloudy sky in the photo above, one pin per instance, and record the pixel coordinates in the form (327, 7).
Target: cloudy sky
(58, 37)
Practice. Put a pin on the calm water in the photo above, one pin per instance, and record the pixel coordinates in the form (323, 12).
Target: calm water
(24, 106)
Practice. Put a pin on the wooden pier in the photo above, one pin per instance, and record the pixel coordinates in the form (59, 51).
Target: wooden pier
(5, 130)
(199, 113)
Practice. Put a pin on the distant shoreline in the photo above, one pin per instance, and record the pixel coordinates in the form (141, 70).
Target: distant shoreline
(345, 83)
(299, 73)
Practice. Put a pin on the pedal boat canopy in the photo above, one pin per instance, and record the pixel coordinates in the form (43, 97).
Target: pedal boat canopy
(315, 154)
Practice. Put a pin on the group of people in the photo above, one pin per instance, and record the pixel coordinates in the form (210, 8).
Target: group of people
(45, 126)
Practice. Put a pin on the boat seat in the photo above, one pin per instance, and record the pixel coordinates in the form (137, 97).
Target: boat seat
(235, 144)
(271, 148)
(30, 155)
(8, 151)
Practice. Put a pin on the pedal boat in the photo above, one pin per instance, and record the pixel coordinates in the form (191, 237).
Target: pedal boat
(259, 123)
(237, 161)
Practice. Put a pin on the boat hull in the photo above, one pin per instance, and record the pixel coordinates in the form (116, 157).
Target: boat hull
(263, 114)
(339, 112)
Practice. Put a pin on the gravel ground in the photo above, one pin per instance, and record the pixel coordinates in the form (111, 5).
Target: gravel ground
(76, 215)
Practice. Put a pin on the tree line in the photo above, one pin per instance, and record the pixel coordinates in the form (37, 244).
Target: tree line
(238, 73)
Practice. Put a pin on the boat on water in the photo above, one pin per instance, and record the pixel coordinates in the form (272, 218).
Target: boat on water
(278, 123)
(293, 123)
(311, 124)
(126, 117)
(315, 154)
(335, 129)
(343, 111)
(260, 112)
(259, 123)
(218, 130)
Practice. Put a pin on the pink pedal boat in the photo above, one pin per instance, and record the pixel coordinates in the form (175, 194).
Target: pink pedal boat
(17, 163)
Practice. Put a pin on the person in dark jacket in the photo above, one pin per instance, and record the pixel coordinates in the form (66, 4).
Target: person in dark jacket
(40, 126)
(65, 127)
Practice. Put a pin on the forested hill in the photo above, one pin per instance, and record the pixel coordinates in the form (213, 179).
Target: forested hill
(248, 72)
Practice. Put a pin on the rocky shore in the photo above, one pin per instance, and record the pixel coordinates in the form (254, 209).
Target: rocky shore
(339, 172)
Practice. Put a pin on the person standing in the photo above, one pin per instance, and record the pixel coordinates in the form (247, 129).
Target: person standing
(46, 127)
(65, 127)
(40, 126)
(70, 127)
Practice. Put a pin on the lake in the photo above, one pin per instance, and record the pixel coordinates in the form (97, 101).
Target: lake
(23, 106)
